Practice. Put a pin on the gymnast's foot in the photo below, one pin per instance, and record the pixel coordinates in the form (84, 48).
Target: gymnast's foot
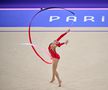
(52, 80)
(60, 83)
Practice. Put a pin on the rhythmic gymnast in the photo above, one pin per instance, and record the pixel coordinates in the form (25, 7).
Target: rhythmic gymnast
(55, 56)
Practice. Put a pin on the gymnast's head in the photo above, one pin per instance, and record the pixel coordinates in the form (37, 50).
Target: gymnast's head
(55, 42)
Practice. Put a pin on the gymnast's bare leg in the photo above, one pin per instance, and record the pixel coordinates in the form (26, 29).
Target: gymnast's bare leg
(54, 71)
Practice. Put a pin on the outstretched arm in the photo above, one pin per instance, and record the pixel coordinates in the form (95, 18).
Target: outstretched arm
(60, 44)
(62, 35)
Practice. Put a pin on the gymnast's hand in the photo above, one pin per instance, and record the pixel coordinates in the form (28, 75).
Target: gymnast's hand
(66, 42)
(68, 31)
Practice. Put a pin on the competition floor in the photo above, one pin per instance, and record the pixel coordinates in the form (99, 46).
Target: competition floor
(83, 64)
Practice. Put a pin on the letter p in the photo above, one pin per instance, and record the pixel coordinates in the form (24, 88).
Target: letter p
(53, 18)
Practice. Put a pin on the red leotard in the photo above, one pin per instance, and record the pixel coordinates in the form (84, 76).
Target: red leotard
(53, 53)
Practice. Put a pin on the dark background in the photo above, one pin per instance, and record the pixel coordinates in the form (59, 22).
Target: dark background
(54, 3)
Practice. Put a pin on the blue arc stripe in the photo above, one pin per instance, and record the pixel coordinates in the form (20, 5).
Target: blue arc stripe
(56, 31)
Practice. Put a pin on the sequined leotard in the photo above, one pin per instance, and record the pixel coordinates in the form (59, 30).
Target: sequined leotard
(53, 52)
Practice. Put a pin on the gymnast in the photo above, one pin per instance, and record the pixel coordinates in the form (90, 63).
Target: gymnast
(56, 57)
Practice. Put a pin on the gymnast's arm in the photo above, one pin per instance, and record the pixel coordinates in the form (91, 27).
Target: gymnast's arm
(63, 35)
(60, 44)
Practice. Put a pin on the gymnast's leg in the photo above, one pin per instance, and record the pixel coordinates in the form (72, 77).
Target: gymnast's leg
(55, 73)
(53, 70)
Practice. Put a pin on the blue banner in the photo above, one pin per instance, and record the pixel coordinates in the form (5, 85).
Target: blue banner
(54, 18)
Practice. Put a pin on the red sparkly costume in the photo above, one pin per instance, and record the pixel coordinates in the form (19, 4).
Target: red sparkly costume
(53, 53)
